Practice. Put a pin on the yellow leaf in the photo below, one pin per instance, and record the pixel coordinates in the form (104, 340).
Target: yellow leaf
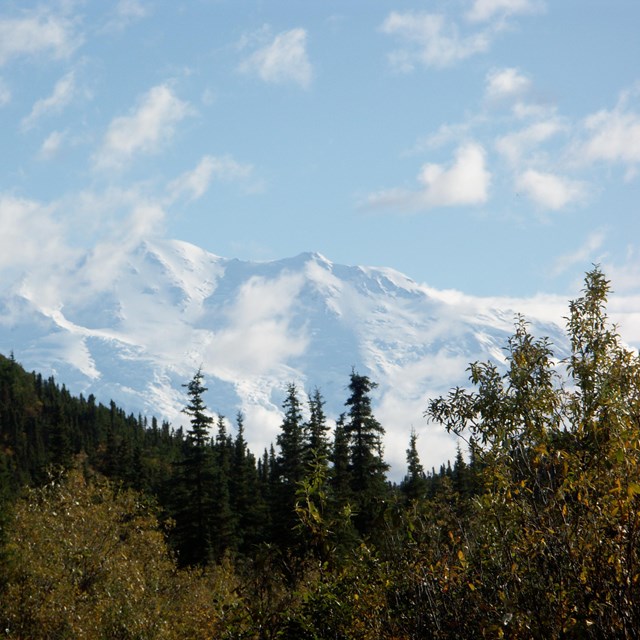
(633, 489)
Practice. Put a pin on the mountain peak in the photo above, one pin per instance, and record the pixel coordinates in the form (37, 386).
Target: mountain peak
(255, 327)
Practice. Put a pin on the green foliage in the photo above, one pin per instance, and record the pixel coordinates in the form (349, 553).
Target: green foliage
(87, 559)
(552, 547)
(536, 534)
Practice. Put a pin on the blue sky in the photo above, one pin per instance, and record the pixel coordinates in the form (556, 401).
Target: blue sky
(488, 146)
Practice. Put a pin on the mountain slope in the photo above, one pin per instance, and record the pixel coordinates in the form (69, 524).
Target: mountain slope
(138, 330)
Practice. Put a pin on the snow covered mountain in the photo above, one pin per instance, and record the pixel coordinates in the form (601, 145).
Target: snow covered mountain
(135, 326)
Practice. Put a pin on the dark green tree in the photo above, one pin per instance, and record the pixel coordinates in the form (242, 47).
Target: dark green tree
(366, 463)
(414, 484)
(290, 469)
(248, 494)
(316, 441)
(223, 518)
(195, 484)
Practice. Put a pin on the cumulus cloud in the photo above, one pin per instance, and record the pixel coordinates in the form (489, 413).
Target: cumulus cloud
(283, 60)
(194, 184)
(513, 146)
(33, 239)
(430, 40)
(465, 182)
(62, 95)
(506, 84)
(148, 126)
(37, 33)
(613, 136)
(483, 10)
(548, 190)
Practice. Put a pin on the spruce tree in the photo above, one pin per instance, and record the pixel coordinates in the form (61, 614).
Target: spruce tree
(223, 519)
(290, 469)
(247, 494)
(193, 513)
(367, 466)
(414, 485)
(316, 443)
(340, 479)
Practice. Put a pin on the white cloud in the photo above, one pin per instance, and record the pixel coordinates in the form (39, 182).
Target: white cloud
(5, 93)
(283, 60)
(38, 33)
(259, 337)
(32, 237)
(506, 83)
(465, 182)
(483, 10)
(430, 41)
(131, 10)
(63, 93)
(127, 12)
(52, 144)
(548, 190)
(40, 243)
(112, 223)
(613, 136)
(445, 134)
(145, 130)
(584, 255)
(195, 183)
(527, 110)
(513, 146)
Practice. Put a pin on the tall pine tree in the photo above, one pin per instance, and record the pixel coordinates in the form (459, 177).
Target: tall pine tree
(414, 485)
(194, 507)
(367, 466)
(290, 469)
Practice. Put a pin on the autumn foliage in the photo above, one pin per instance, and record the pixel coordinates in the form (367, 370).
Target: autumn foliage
(535, 535)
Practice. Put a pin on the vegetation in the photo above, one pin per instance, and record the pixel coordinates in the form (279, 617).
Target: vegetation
(116, 528)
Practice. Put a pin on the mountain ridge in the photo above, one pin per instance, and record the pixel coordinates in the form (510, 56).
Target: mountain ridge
(137, 333)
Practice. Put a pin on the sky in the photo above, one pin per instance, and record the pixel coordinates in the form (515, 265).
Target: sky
(486, 146)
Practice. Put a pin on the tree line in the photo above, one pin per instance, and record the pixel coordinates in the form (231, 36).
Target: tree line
(114, 527)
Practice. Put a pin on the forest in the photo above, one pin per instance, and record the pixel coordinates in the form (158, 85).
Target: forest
(113, 526)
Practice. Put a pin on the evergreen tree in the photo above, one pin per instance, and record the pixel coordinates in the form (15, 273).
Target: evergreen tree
(194, 494)
(414, 485)
(290, 469)
(223, 519)
(367, 466)
(340, 475)
(290, 440)
(316, 442)
(60, 438)
(462, 475)
(247, 494)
